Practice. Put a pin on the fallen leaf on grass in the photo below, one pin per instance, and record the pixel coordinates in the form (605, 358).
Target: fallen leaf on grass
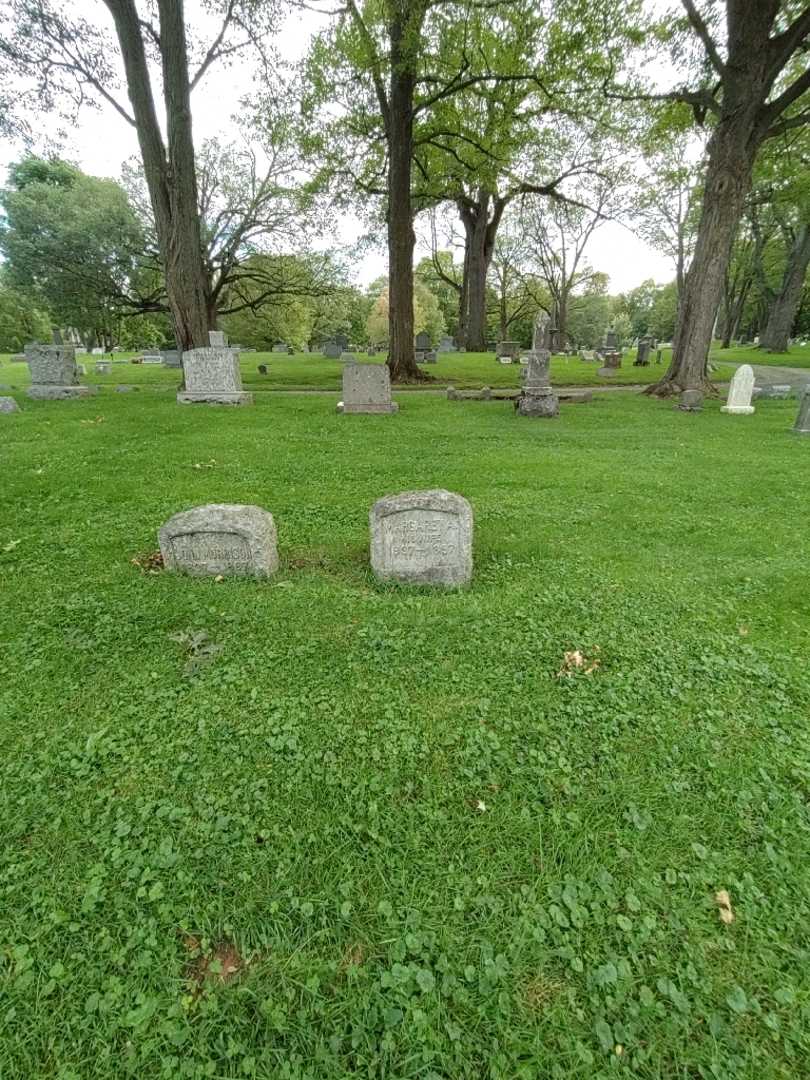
(744, 630)
(204, 464)
(578, 661)
(11, 545)
(723, 901)
(98, 420)
(150, 562)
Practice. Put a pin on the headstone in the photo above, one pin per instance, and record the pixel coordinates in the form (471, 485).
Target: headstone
(8, 405)
(348, 358)
(81, 369)
(96, 351)
(611, 340)
(123, 388)
(220, 539)
(508, 348)
(262, 369)
(777, 393)
(152, 358)
(103, 367)
(331, 350)
(425, 353)
(53, 373)
(612, 361)
(366, 389)
(422, 340)
(802, 425)
(740, 391)
(428, 356)
(342, 343)
(422, 538)
(690, 401)
(212, 376)
(290, 351)
(537, 398)
(642, 353)
(170, 358)
(446, 344)
(217, 339)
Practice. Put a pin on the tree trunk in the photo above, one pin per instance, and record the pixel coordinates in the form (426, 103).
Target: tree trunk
(401, 239)
(786, 303)
(480, 231)
(170, 170)
(728, 182)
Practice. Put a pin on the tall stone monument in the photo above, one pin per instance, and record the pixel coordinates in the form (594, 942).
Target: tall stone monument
(366, 389)
(740, 392)
(422, 538)
(537, 398)
(212, 375)
(53, 373)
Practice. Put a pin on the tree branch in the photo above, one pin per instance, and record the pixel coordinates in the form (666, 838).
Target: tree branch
(702, 31)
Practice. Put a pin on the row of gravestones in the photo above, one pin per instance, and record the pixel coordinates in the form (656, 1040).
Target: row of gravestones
(417, 537)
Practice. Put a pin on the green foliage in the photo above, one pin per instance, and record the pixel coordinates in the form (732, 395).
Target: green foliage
(20, 321)
(319, 828)
(74, 244)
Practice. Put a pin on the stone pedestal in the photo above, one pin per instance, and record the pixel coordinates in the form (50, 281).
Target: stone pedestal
(53, 373)
(538, 398)
(802, 425)
(613, 362)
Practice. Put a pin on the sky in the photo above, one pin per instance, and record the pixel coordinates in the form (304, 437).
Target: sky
(101, 141)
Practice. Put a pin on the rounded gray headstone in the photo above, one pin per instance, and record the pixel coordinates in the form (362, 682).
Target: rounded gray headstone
(8, 405)
(220, 539)
(422, 538)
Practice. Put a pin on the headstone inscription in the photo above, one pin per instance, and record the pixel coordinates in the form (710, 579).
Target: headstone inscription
(802, 425)
(366, 389)
(220, 539)
(537, 399)
(740, 392)
(422, 538)
(212, 376)
(53, 373)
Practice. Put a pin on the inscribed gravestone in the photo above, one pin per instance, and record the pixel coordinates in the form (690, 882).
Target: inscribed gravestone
(220, 539)
(53, 373)
(802, 425)
(366, 389)
(740, 391)
(212, 376)
(422, 537)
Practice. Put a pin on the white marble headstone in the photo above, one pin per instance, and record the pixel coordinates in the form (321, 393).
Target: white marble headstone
(740, 392)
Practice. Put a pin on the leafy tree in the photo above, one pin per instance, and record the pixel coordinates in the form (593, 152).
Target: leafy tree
(751, 84)
(20, 321)
(74, 243)
(68, 57)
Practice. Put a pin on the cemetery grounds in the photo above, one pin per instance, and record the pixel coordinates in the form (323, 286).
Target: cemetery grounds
(552, 825)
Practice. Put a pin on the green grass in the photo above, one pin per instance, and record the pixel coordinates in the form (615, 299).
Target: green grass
(431, 856)
(797, 357)
(314, 372)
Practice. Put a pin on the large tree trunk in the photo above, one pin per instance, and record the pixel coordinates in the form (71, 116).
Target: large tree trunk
(786, 303)
(401, 239)
(728, 182)
(480, 231)
(170, 170)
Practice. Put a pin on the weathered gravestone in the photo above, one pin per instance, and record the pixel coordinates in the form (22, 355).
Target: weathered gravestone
(612, 362)
(777, 393)
(262, 369)
(422, 538)
(446, 344)
(53, 373)
(280, 347)
(739, 392)
(103, 367)
(802, 425)
(217, 339)
(537, 398)
(212, 375)
(331, 350)
(508, 348)
(8, 405)
(690, 401)
(366, 389)
(642, 353)
(425, 353)
(220, 539)
(348, 358)
(170, 358)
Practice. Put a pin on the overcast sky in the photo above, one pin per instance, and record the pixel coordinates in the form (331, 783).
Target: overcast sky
(101, 141)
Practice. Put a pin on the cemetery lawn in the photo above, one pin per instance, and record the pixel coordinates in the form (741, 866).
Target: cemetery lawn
(314, 372)
(797, 357)
(317, 828)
